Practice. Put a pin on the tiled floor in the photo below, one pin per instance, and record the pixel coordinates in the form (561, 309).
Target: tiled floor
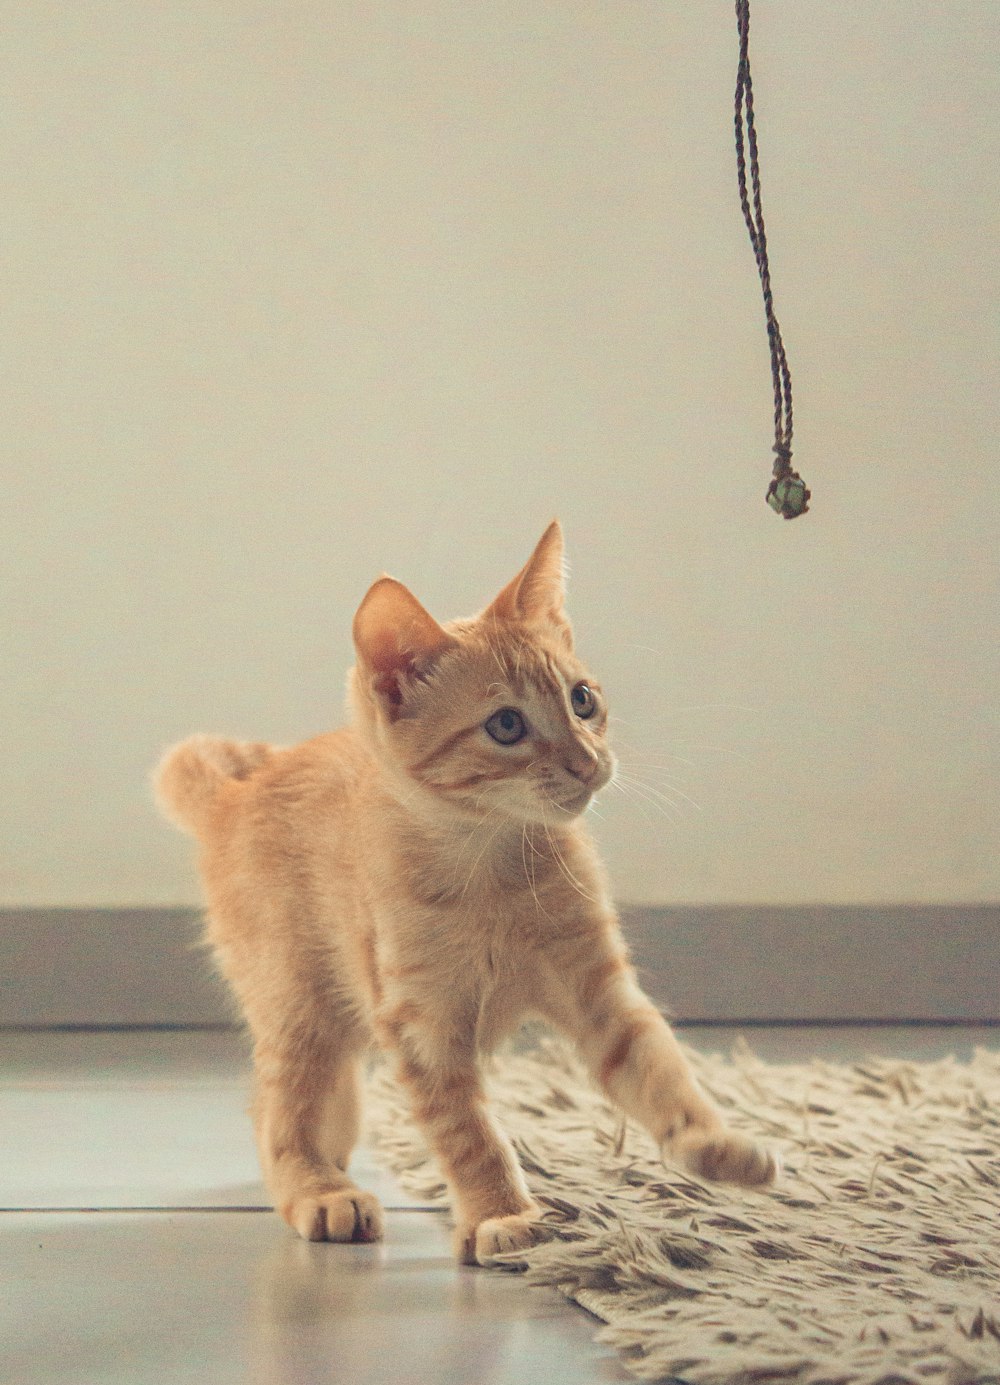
(136, 1248)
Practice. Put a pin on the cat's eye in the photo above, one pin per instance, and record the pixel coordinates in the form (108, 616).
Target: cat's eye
(583, 700)
(506, 726)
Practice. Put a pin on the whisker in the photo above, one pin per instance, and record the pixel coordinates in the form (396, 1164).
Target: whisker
(529, 870)
(469, 839)
(649, 762)
(657, 760)
(662, 759)
(714, 750)
(669, 810)
(642, 803)
(637, 783)
(656, 797)
(562, 864)
(472, 872)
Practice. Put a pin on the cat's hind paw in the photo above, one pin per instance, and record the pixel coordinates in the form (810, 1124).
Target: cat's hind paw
(346, 1214)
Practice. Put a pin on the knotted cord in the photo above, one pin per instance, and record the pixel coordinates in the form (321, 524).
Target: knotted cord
(787, 493)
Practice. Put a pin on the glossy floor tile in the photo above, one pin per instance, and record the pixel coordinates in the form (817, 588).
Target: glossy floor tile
(117, 1298)
(155, 1120)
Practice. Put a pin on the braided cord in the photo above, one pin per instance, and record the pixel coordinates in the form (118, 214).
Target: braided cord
(787, 493)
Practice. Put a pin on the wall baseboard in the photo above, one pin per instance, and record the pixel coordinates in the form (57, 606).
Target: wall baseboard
(107, 967)
(909, 963)
(821, 962)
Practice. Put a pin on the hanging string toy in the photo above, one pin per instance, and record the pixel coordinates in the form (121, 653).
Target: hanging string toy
(787, 493)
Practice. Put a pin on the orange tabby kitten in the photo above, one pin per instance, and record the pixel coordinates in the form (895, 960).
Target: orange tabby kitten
(423, 879)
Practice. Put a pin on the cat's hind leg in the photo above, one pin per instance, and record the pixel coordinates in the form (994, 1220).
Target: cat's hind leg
(306, 1116)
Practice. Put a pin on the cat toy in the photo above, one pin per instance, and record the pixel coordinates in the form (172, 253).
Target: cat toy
(787, 494)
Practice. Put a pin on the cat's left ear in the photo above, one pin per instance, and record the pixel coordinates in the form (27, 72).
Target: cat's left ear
(538, 592)
(397, 642)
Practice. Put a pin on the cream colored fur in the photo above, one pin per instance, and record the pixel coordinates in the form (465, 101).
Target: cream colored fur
(413, 882)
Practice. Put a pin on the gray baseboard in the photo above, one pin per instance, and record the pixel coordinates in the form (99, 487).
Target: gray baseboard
(107, 966)
(97, 967)
(826, 962)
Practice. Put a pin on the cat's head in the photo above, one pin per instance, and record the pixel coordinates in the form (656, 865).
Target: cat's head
(490, 715)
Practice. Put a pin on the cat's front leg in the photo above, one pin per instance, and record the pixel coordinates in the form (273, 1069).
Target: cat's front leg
(632, 1052)
(494, 1211)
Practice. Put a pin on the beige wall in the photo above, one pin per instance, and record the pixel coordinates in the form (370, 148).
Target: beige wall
(295, 293)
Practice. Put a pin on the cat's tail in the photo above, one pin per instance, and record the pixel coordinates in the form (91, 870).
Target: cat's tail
(188, 778)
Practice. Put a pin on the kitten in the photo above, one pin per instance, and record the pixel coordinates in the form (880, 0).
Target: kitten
(422, 879)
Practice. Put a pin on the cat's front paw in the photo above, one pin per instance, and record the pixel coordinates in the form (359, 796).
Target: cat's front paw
(478, 1245)
(722, 1156)
(344, 1214)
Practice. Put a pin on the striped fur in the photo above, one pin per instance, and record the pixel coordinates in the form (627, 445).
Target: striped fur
(410, 882)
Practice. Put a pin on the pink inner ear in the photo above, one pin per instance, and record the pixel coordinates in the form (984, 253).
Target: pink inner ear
(383, 653)
(386, 684)
(390, 665)
(396, 639)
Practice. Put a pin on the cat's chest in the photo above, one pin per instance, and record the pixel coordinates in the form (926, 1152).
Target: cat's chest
(504, 887)
(491, 975)
(468, 930)
(478, 956)
(484, 937)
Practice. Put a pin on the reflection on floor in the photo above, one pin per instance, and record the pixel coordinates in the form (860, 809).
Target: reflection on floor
(135, 1244)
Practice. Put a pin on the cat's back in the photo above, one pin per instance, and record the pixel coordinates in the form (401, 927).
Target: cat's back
(283, 837)
(305, 787)
(279, 867)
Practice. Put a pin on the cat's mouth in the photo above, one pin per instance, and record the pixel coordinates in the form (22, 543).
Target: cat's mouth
(573, 804)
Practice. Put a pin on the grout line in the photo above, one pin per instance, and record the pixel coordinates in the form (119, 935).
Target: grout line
(255, 1207)
(939, 1022)
(158, 1027)
(97, 1211)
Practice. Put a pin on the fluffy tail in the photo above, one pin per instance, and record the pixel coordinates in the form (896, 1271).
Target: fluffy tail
(190, 775)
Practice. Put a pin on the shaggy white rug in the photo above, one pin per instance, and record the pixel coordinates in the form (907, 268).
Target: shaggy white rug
(874, 1261)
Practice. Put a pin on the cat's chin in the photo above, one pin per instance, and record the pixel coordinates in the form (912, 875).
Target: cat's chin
(564, 810)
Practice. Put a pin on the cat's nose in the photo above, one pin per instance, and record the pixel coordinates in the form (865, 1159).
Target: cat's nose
(582, 763)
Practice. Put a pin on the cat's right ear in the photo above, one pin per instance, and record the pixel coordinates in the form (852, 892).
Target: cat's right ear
(397, 642)
(538, 592)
